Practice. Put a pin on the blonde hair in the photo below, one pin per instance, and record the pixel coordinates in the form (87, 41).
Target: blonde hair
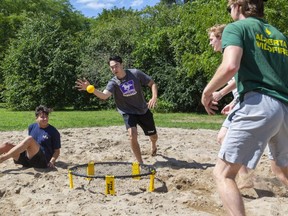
(249, 8)
(217, 30)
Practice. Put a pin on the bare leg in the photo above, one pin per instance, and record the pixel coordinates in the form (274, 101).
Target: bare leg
(280, 172)
(224, 174)
(153, 139)
(5, 147)
(28, 144)
(245, 178)
(134, 143)
(221, 134)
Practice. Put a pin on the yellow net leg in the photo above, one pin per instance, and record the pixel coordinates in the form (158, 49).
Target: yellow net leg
(110, 185)
(151, 186)
(136, 170)
(70, 179)
(90, 170)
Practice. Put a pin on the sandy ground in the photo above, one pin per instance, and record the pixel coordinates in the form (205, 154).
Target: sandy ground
(183, 182)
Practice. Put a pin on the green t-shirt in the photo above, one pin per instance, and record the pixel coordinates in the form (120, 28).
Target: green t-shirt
(264, 64)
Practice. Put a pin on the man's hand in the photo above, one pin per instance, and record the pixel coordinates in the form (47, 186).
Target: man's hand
(227, 109)
(209, 104)
(152, 103)
(81, 85)
(51, 164)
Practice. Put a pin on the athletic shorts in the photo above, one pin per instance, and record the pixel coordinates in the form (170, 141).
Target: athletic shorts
(37, 161)
(146, 122)
(260, 119)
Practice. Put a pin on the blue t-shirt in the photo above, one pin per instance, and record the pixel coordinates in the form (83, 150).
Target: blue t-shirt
(128, 93)
(48, 138)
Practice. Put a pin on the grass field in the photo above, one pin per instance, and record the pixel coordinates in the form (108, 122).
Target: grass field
(19, 120)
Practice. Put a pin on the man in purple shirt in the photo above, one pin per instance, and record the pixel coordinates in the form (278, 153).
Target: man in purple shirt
(126, 88)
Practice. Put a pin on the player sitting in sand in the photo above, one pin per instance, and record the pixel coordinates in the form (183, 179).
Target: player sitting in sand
(40, 149)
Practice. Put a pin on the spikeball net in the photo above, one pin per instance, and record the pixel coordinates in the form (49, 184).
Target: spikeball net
(109, 171)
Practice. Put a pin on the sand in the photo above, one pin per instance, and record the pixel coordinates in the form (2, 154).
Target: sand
(183, 183)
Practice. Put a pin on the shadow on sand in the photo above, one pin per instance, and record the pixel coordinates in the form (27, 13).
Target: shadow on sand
(180, 164)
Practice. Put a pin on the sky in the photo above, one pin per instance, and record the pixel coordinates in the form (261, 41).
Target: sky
(91, 8)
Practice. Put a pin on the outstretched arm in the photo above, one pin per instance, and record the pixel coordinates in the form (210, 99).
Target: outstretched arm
(81, 85)
(152, 102)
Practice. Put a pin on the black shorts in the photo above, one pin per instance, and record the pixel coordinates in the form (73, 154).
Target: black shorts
(146, 122)
(37, 161)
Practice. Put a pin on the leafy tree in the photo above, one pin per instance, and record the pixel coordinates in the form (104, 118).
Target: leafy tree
(276, 12)
(14, 13)
(168, 2)
(168, 41)
(40, 66)
(112, 33)
(172, 46)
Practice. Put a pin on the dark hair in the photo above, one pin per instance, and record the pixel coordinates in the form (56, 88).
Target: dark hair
(42, 109)
(115, 58)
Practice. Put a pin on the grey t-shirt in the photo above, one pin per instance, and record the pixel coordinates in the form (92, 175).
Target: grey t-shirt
(128, 93)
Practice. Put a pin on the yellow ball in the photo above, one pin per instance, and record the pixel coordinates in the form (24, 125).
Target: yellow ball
(90, 88)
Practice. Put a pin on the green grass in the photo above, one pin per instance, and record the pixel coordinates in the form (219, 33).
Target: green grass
(19, 120)
(188, 120)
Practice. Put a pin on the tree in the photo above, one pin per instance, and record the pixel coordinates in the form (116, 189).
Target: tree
(39, 67)
(14, 13)
(112, 33)
(172, 46)
(276, 13)
(43, 41)
(168, 2)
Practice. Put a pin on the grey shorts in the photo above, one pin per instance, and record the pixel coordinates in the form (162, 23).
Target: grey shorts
(260, 119)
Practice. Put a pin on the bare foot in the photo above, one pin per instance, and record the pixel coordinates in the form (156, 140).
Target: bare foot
(153, 149)
(154, 152)
(1, 159)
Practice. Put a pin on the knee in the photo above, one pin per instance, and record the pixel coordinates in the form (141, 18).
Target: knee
(29, 141)
(132, 132)
(29, 138)
(223, 172)
(216, 175)
(154, 138)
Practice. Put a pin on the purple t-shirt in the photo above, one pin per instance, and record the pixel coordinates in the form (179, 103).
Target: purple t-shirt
(128, 93)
